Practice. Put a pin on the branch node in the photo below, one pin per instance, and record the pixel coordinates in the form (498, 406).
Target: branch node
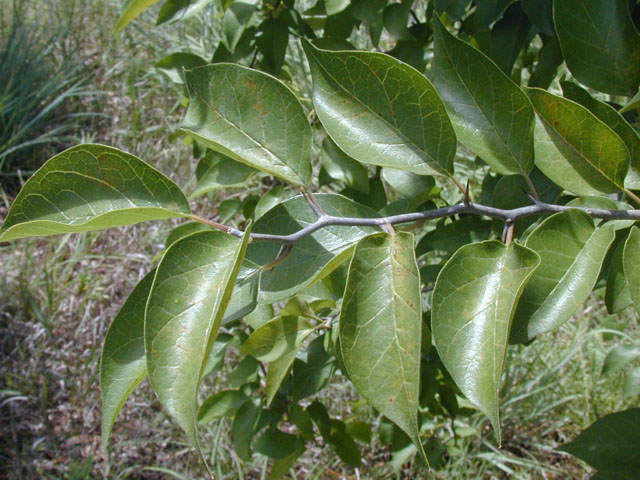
(467, 195)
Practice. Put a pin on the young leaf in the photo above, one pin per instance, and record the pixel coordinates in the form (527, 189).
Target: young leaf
(132, 9)
(608, 115)
(571, 250)
(191, 289)
(276, 338)
(123, 364)
(243, 428)
(216, 171)
(381, 111)
(222, 404)
(235, 20)
(575, 149)
(631, 264)
(611, 445)
(492, 117)
(472, 306)
(252, 118)
(178, 10)
(600, 44)
(380, 327)
(91, 187)
(312, 257)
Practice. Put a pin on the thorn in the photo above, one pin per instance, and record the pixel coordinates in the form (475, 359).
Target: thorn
(467, 195)
(531, 197)
(283, 253)
(313, 203)
(507, 232)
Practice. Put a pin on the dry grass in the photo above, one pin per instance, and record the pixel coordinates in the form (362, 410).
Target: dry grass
(58, 295)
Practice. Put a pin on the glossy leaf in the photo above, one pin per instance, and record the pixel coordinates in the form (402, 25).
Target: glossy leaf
(450, 237)
(123, 364)
(132, 9)
(619, 357)
(277, 338)
(91, 187)
(191, 289)
(492, 117)
(269, 200)
(380, 327)
(314, 256)
(381, 111)
(472, 306)
(216, 171)
(409, 185)
(608, 115)
(184, 230)
(178, 10)
(611, 444)
(631, 264)
(342, 167)
(251, 117)
(600, 44)
(571, 250)
(575, 149)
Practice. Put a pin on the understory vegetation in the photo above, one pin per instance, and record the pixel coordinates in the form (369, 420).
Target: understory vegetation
(59, 294)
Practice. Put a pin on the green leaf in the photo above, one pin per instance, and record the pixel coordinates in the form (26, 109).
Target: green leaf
(342, 167)
(281, 466)
(235, 20)
(488, 11)
(184, 230)
(132, 9)
(371, 12)
(575, 149)
(91, 187)
(409, 185)
(571, 250)
(617, 296)
(243, 427)
(320, 417)
(346, 447)
(245, 372)
(395, 18)
(609, 116)
(179, 10)
(492, 117)
(549, 59)
(314, 256)
(191, 289)
(472, 306)
(276, 338)
(381, 111)
(541, 14)
(252, 118)
(611, 444)
(275, 443)
(452, 236)
(272, 43)
(380, 327)
(619, 357)
(631, 386)
(123, 364)
(216, 171)
(631, 264)
(269, 200)
(600, 44)
(360, 431)
(312, 375)
(222, 404)
(173, 65)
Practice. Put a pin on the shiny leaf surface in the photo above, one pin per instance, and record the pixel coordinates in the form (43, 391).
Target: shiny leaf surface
(571, 250)
(472, 306)
(191, 289)
(575, 149)
(250, 117)
(631, 264)
(492, 117)
(381, 111)
(91, 187)
(380, 327)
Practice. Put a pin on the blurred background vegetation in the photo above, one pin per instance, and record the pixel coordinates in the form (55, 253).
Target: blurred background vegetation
(65, 79)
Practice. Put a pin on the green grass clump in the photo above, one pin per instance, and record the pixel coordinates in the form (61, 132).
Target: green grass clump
(38, 75)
